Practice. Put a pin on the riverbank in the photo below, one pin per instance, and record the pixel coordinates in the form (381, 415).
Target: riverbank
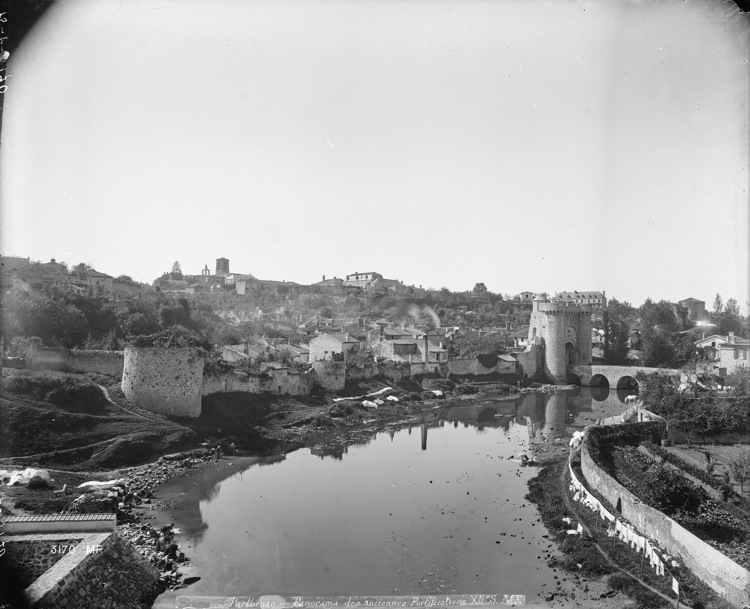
(327, 427)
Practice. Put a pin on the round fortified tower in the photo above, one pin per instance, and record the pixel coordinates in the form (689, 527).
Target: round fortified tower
(564, 329)
(167, 381)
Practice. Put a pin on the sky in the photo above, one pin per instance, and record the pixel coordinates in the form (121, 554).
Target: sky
(530, 145)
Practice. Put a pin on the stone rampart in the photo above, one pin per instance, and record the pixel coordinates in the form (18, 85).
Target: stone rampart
(330, 375)
(115, 575)
(393, 371)
(421, 369)
(281, 381)
(531, 360)
(73, 360)
(167, 381)
(723, 575)
(473, 366)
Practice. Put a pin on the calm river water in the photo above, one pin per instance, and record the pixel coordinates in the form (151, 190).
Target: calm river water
(431, 508)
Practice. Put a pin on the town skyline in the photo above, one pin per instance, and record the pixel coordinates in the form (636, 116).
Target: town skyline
(531, 147)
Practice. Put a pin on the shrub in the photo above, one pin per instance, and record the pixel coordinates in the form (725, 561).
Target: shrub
(37, 483)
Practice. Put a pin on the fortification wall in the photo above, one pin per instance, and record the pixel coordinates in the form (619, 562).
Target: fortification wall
(73, 360)
(167, 381)
(531, 360)
(275, 380)
(420, 369)
(115, 576)
(393, 371)
(330, 375)
(722, 574)
(472, 366)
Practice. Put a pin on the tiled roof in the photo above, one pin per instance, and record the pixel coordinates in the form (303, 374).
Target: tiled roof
(338, 336)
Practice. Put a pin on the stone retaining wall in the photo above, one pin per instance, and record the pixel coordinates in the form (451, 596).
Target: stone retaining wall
(31, 555)
(330, 375)
(275, 380)
(73, 360)
(113, 577)
(723, 575)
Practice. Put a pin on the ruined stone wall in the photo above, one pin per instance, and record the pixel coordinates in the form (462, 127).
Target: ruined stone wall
(74, 360)
(418, 369)
(330, 375)
(530, 360)
(722, 574)
(167, 381)
(471, 366)
(115, 576)
(280, 381)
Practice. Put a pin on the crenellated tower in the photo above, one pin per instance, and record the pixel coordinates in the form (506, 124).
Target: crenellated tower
(563, 329)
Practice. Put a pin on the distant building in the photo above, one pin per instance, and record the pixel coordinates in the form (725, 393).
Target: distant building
(696, 309)
(54, 268)
(526, 297)
(733, 354)
(99, 281)
(222, 267)
(332, 346)
(14, 263)
(591, 299)
(362, 280)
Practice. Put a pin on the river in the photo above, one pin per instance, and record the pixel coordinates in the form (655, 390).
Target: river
(435, 507)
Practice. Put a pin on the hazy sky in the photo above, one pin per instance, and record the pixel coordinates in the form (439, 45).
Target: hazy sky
(531, 145)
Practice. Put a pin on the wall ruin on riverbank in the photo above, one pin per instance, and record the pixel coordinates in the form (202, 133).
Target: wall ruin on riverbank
(167, 381)
(73, 360)
(727, 578)
(280, 381)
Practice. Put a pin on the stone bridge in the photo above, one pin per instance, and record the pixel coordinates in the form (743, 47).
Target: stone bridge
(616, 377)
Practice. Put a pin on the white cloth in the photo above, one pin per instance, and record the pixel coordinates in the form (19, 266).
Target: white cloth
(675, 586)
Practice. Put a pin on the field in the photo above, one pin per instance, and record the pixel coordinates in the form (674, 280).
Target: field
(720, 456)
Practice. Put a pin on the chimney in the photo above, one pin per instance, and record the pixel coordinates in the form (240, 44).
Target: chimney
(426, 354)
(324, 277)
(731, 339)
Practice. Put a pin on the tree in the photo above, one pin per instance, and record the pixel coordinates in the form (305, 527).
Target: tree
(740, 467)
(660, 332)
(176, 270)
(616, 322)
(480, 288)
(718, 304)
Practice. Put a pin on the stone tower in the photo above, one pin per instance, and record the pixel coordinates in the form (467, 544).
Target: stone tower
(222, 267)
(564, 331)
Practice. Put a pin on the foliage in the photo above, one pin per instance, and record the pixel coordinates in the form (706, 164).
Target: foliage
(739, 381)
(65, 390)
(176, 270)
(616, 322)
(672, 493)
(740, 467)
(705, 415)
(663, 345)
(726, 316)
(480, 288)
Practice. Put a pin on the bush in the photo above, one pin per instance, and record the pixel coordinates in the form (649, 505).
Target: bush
(59, 388)
(37, 483)
(671, 492)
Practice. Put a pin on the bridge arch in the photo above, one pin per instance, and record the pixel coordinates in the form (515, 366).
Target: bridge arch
(627, 382)
(574, 379)
(598, 380)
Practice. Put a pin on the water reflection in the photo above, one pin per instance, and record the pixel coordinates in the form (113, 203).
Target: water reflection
(389, 517)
